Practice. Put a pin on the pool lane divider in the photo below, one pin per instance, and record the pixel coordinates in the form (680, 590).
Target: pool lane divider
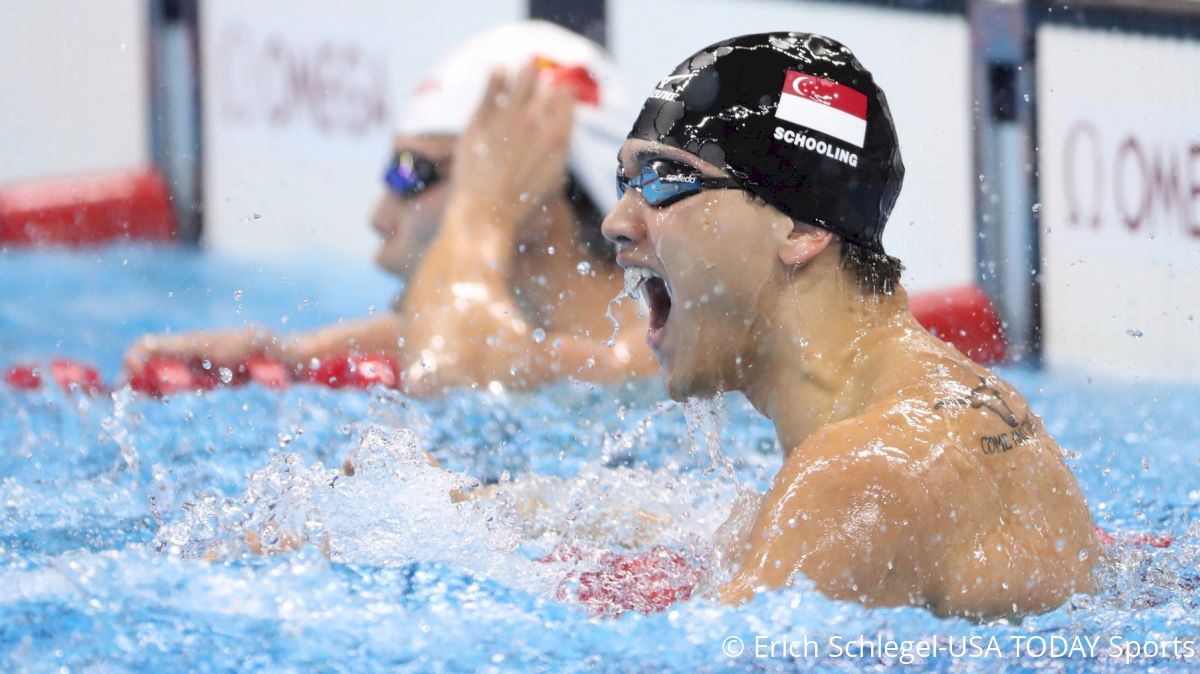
(648, 582)
(162, 376)
(962, 316)
(68, 374)
(1159, 541)
(87, 210)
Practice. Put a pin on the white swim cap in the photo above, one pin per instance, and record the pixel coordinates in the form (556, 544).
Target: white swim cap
(448, 96)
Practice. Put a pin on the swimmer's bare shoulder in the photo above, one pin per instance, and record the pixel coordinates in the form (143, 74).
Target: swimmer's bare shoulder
(843, 512)
(901, 505)
(1007, 531)
(1015, 535)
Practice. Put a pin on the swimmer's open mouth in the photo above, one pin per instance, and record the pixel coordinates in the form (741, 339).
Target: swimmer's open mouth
(655, 294)
(659, 299)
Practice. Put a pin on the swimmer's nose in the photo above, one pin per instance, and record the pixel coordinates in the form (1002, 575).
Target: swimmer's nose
(622, 226)
(383, 217)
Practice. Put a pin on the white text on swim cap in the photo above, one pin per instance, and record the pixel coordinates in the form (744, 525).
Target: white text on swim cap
(805, 142)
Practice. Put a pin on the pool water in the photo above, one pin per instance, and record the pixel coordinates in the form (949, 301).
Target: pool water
(111, 505)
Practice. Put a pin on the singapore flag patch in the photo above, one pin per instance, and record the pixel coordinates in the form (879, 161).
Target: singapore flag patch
(824, 106)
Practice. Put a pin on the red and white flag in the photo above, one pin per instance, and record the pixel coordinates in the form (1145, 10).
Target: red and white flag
(825, 106)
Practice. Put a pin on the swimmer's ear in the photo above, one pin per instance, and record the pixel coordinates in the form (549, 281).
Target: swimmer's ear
(803, 243)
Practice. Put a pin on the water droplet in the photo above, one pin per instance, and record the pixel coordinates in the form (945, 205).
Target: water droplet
(257, 215)
(237, 295)
(1136, 334)
(1037, 207)
(539, 335)
(1083, 555)
(584, 268)
(1060, 544)
(206, 364)
(225, 374)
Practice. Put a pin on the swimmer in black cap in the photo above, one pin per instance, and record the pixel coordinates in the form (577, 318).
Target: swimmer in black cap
(755, 186)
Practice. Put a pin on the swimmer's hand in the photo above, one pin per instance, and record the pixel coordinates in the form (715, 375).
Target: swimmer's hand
(513, 155)
(232, 348)
(222, 348)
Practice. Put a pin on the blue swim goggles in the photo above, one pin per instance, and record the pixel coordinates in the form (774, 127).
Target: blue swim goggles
(409, 174)
(663, 182)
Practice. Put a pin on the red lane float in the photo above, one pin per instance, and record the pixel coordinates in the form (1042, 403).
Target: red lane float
(161, 376)
(23, 377)
(68, 374)
(356, 372)
(1143, 539)
(167, 376)
(87, 209)
(646, 582)
(268, 373)
(966, 318)
(71, 375)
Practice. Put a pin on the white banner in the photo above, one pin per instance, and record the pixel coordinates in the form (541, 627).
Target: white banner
(74, 88)
(1119, 130)
(300, 101)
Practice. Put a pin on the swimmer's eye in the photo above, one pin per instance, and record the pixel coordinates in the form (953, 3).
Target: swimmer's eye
(663, 182)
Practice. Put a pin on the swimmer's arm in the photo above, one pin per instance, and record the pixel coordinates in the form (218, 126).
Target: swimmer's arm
(466, 327)
(376, 334)
(468, 332)
(231, 348)
(840, 519)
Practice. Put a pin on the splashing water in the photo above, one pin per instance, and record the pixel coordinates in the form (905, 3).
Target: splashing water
(706, 418)
(634, 278)
(81, 580)
(397, 508)
(117, 426)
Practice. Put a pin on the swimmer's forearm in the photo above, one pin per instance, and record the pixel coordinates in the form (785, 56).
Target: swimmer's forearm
(479, 240)
(463, 319)
(378, 334)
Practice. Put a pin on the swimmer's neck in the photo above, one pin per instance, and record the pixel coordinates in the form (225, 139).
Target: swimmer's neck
(827, 351)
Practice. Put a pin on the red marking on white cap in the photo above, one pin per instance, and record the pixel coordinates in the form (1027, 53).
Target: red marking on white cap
(577, 77)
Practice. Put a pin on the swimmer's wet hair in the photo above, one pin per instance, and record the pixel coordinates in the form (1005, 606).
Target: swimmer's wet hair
(876, 271)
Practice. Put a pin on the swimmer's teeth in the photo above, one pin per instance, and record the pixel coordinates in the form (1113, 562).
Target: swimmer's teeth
(634, 278)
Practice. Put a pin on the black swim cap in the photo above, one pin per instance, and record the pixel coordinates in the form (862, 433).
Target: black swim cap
(795, 119)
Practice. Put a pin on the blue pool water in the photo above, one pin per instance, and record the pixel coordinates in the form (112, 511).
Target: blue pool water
(110, 503)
